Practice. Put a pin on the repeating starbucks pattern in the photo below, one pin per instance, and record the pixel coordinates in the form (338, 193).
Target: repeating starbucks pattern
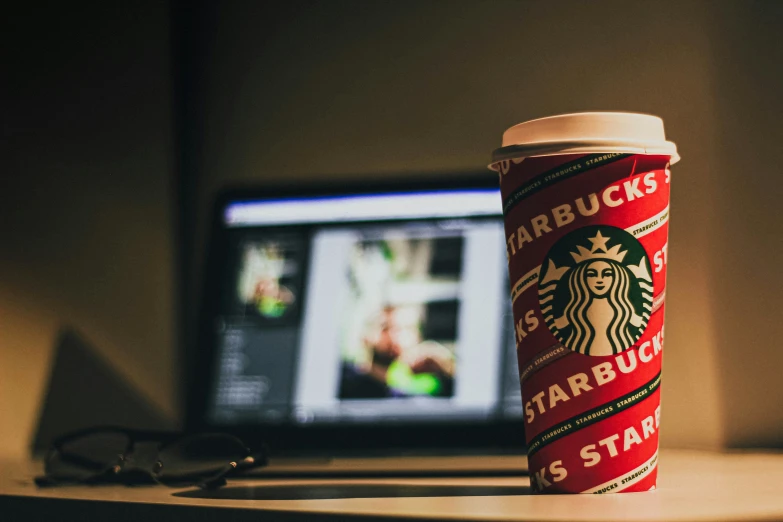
(595, 290)
(587, 260)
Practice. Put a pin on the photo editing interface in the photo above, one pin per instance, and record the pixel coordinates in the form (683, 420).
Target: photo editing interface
(365, 309)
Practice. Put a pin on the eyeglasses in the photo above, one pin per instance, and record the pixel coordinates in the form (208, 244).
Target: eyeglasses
(113, 454)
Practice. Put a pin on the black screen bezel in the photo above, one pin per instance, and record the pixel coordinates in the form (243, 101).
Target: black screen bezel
(504, 435)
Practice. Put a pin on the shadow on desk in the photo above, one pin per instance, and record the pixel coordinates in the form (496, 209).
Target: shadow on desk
(325, 491)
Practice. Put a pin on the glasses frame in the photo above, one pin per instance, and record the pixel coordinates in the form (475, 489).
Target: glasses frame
(124, 462)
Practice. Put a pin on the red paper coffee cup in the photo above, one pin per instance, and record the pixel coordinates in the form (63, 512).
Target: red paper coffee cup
(586, 206)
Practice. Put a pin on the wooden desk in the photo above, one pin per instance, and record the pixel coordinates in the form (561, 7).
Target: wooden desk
(692, 486)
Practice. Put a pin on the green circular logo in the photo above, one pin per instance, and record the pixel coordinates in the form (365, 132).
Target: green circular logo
(595, 290)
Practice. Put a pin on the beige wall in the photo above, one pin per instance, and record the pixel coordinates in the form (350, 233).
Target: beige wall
(352, 89)
(748, 279)
(85, 202)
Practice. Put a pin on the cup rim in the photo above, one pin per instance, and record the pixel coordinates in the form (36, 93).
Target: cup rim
(554, 148)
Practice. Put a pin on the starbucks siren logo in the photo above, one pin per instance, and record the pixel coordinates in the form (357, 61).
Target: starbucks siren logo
(595, 290)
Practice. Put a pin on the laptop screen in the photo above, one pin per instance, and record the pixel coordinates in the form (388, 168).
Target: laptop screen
(385, 307)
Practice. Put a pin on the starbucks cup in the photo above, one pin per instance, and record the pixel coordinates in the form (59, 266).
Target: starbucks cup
(586, 207)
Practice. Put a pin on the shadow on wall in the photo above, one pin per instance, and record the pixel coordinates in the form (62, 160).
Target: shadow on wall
(748, 245)
(83, 391)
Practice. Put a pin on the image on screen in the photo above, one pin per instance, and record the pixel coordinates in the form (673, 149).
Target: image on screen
(400, 323)
(268, 279)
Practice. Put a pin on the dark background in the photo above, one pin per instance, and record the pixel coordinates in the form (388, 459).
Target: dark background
(120, 123)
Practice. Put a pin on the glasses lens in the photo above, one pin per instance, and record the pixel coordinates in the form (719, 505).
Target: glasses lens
(200, 456)
(86, 456)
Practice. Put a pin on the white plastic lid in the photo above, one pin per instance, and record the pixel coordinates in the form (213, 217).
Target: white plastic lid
(585, 132)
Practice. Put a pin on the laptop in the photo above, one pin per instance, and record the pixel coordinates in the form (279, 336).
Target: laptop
(362, 329)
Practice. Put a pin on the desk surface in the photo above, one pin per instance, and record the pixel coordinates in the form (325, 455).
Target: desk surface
(692, 486)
